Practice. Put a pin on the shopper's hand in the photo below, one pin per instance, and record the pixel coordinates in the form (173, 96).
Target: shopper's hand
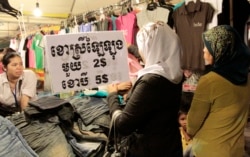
(112, 88)
(124, 85)
(187, 73)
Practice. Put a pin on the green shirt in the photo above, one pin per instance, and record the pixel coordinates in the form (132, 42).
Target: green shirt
(38, 50)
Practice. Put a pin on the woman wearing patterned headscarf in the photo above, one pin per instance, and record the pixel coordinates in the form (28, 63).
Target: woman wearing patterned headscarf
(151, 110)
(220, 105)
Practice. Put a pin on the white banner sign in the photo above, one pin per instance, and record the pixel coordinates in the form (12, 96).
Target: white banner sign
(86, 60)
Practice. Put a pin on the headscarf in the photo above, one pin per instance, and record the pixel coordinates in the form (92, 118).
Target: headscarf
(231, 55)
(162, 50)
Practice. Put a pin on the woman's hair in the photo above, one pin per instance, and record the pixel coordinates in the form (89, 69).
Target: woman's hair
(4, 51)
(8, 56)
(7, 50)
(132, 49)
(182, 112)
(186, 100)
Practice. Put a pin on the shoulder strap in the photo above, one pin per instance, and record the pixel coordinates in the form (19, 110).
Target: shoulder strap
(114, 116)
(112, 128)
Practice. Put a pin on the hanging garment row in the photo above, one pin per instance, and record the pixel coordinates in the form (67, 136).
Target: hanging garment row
(92, 16)
(119, 17)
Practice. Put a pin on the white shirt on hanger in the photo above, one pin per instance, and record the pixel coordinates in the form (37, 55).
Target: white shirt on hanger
(158, 14)
(217, 5)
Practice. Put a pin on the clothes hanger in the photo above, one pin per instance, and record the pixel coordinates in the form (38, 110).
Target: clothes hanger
(90, 16)
(152, 5)
(163, 4)
(6, 7)
(110, 11)
(102, 15)
(62, 25)
(79, 19)
(7, 11)
(124, 10)
(129, 7)
(116, 10)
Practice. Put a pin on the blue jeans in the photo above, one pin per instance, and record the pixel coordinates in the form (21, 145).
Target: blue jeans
(85, 148)
(12, 143)
(44, 137)
(89, 108)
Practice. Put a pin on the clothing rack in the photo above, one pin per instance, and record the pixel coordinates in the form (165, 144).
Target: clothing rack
(43, 29)
(90, 16)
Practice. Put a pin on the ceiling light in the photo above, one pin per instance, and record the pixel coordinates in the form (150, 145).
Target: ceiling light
(37, 12)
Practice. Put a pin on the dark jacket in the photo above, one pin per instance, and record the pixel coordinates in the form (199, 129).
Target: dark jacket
(152, 112)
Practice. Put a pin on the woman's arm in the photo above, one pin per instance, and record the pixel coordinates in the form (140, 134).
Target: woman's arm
(24, 101)
(141, 103)
(200, 107)
(28, 88)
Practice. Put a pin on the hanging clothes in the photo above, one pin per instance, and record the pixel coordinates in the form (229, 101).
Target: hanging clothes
(128, 24)
(103, 25)
(217, 5)
(169, 7)
(22, 51)
(85, 27)
(113, 19)
(158, 14)
(240, 12)
(38, 50)
(190, 21)
(31, 53)
(14, 44)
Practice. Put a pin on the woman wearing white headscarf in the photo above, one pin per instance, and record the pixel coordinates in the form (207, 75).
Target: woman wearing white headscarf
(152, 105)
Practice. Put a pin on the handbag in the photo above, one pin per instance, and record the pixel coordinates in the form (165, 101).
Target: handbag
(116, 145)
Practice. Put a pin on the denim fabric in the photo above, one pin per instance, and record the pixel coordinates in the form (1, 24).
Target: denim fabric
(103, 120)
(66, 115)
(31, 110)
(89, 108)
(64, 112)
(44, 137)
(48, 102)
(35, 112)
(86, 135)
(12, 143)
(85, 148)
